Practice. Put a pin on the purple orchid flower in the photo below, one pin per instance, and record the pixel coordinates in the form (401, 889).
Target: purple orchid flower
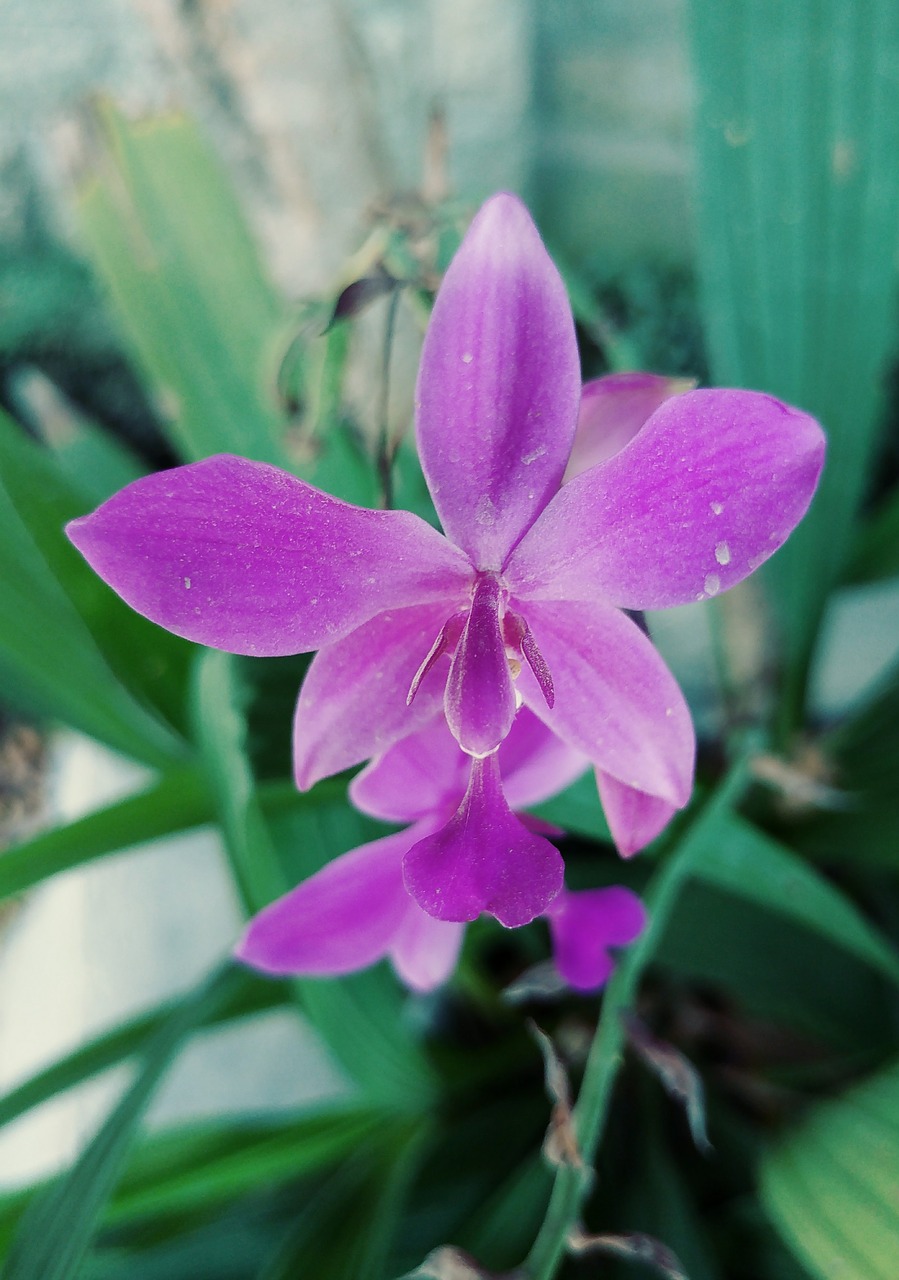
(356, 910)
(521, 601)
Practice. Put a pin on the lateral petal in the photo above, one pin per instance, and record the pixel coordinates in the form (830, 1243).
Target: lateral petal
(343, 918)
(616, 701)
(534, 763)
(424, 951)
(352, 704)
(710, 487)
(245, 557)
(613, 409)
(423, 774)
(584, 925)
(498, 385)
(484, 859)
(634, 817)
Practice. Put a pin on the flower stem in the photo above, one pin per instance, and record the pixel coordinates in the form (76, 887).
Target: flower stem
(386, 450)
(571, 1186)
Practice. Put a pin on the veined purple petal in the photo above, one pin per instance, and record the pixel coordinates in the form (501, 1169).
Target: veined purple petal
(245, 557)
(613, 409)
(584, 925)
(424, 774)
(480, 699)
(616, 701)
(634, 818)
(343, 918)
(424, 951)
(484, 859)
(709, 489)
(352, 705)
(498, 384)
(534, 763)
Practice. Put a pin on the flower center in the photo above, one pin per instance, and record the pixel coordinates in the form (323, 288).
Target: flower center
(486, 622)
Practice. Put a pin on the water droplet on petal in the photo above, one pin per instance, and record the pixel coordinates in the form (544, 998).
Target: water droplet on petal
(717, 508)
(712, 584)
(722, 553)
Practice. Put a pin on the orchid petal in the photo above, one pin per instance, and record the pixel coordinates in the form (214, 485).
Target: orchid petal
(245, 557)
(484, 859)
(343, 918)
(498, 385)
(616, 701)
(352, 705)
(423, 774)
(480, 700)
(613, 409)
(424, 951)
(534, 763)
(634, 817)
(709, 489)
(585, 924)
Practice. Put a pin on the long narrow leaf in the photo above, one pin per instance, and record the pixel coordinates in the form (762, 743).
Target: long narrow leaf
(56, 1230)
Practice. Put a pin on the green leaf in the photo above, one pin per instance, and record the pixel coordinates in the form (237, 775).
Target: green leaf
(798, 201)
(830, 1186)
(361, 1010)
(875, 555)
(56, 1229)
(251, 996)
(179, 801)
(192, 1171)
(348, 1226)
(744, 862)
(168, 239)
(39, 619)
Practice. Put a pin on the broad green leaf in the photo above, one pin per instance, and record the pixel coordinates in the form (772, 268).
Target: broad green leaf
(251, 995)
(742, 861)
(875, 555)
(864, 754)
(50, 663)
(166, 235)
(94, 460)
(830, 1185)
(798, 203)
(56, 1229)
(150, 662)
(362, 1010)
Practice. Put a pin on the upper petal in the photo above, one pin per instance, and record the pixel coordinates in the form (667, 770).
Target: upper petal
(709, 488)
(585, 924)
(352, 705)
(245, 557)
(616, 701)
(484, 859)
(498, 384)
(343, 918)
(613, 409)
